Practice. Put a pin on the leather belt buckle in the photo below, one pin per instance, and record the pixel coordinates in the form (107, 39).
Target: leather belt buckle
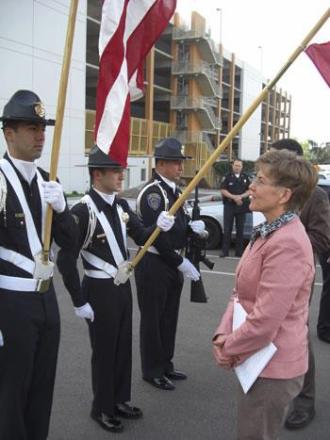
(43, 285)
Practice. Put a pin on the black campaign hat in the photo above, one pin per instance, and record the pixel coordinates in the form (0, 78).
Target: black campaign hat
(25, 105)
(98, 159)
(170, 149)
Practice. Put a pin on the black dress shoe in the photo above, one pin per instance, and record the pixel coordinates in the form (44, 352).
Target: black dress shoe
(222, 255)
(299, 418)
(127, 412)
(161, 382)
(109, 423)
(176, 375)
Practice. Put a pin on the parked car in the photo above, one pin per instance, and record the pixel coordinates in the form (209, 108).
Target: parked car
(211, 212)
(325, 185)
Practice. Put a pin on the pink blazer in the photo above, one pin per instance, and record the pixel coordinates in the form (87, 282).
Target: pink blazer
(273, 284)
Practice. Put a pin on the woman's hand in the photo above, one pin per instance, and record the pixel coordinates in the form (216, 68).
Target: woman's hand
(226, 362)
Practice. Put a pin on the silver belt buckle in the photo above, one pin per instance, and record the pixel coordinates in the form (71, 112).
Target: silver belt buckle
(43, 285)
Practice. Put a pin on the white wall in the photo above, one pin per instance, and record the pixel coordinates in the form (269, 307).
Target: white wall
(250, 133)
(133, 173)
(32, 37)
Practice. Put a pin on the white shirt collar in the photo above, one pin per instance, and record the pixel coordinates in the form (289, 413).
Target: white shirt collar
(108, 198)
(169, 183)
(27, 169)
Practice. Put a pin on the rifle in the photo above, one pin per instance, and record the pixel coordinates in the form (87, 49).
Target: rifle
(196, 253)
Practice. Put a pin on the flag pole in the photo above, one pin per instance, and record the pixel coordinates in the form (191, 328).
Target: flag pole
(59, 118)
(230, 136)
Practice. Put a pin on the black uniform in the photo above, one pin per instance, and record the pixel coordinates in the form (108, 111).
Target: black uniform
(29, 322)
(111, 331)
(235, 185)
(159, 283)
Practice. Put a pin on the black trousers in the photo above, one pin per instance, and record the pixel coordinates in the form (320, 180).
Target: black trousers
(30, 326)
(323, 323)
(232, 212)
(111, 340)
(159, 289)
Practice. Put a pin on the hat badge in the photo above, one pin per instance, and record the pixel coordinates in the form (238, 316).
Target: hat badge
(182, 150)
(39, 108)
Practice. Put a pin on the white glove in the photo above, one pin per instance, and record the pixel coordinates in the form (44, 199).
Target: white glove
(125, 270)
(165, 221)
(53, 194)
(1, 339)
(85, 312)
(189, 270)
(198, 226)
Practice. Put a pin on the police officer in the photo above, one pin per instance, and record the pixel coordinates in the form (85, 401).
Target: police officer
(29, 317)
(103, 219)
(159, 275)
(234, 189)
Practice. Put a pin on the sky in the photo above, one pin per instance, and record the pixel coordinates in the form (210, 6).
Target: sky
(265, 34)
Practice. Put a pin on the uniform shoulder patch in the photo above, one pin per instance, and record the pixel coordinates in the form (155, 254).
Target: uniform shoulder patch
(154, 200)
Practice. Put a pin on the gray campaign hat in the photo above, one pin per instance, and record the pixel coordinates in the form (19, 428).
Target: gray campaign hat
(25, 105)
(170, 149)
(98, 159)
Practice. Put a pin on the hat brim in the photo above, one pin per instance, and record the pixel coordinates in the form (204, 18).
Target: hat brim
(173, 157)
(86, 165)
(34, 120)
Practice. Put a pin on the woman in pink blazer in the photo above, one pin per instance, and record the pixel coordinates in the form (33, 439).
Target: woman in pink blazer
(273, 283)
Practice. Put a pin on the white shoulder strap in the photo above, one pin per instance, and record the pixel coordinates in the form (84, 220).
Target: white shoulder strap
(33, 238)
(3, 192)
(110, 236)
(123, 224)
(163, 192)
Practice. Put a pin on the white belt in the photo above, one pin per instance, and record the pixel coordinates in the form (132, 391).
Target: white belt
(100, 264)
(97, 274)
(153, 250)
(17, 259)
(23, 284)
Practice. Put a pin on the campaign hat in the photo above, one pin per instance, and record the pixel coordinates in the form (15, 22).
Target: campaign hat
(25, 105)
(170, 149)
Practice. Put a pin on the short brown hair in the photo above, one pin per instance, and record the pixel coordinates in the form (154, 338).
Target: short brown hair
(290, 171)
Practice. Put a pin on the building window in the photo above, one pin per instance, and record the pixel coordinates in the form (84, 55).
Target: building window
(181, 121)
(143, 174)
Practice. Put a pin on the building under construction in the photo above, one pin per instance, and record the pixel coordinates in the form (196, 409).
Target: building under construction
(195, 91)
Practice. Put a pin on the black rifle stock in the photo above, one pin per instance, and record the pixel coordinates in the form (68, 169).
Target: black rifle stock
(196, 253)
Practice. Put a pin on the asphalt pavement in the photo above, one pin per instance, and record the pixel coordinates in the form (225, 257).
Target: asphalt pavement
(202, 407)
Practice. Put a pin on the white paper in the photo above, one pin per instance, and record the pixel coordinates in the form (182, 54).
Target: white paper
(250, 369)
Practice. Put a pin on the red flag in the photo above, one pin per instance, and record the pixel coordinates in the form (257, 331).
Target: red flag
(129, 28)
(320, 55)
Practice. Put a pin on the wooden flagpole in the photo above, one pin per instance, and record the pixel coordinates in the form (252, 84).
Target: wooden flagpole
(59, 118)
(230, 136)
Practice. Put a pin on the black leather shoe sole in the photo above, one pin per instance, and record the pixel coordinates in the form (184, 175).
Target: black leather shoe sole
(299, 419)
(108, 423)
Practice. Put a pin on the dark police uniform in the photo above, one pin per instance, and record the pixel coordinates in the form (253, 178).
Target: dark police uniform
(111, 331)
(235, 185)
(29, 318)
(159, 282)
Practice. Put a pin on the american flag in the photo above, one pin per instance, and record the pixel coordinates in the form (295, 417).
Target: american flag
(129, 28)
(320, 55)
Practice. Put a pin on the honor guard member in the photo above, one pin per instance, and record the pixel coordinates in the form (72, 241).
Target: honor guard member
(103, 221)
(29, 317)
(235, 191)
(159, 275)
